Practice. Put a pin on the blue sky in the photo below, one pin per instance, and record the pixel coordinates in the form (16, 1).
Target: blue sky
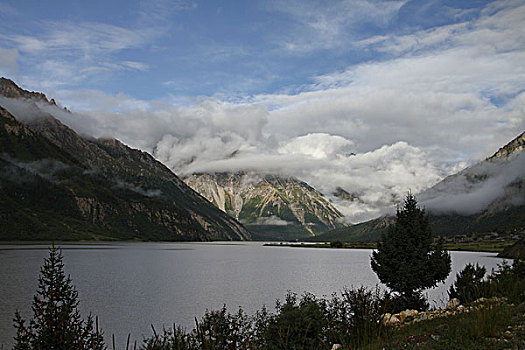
(416, 89)
(149, 49)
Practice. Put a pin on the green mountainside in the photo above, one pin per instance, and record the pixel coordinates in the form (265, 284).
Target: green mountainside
(55, 184)
(486, 197)
(272, 207)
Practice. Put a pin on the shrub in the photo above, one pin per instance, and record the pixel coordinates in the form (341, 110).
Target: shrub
(298, 324)
(509, 281)
(355, 318)
(221, 330)
(470, 284)
(336, 244)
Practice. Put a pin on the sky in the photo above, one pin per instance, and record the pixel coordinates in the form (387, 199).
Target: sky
(376, 97)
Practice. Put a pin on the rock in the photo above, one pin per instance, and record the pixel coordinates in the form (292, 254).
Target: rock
(453, 303)
(407, 314)
(480, 301)
(390, 320)
(337, 346)
(461, 308)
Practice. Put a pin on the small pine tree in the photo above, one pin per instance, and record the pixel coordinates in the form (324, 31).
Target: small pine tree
(56, 322)
(470, 284)
(406, 260)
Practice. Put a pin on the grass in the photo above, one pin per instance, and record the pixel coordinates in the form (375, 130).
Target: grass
(481, 246)
(495, 326)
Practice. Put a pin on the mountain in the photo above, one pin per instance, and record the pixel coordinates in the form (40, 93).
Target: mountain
(272, 207)
(486, 197)
(55, 184)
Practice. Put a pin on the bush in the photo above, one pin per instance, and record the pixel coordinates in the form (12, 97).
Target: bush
(470, 284)
(509, 281)
(218, 330)
(355, 318)
(298, 324)
(336, 244)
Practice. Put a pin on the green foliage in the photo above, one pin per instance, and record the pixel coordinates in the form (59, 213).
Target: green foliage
(298, 324)
(470, 284)
(56, 322)
(336, 244)
(509, 281)
(218, 330)
(406, 259)
(354, 319)
(222, 330)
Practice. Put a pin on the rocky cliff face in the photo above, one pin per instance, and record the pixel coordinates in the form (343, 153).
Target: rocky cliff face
(9, 89)
(58, 185)
(267, 201)
(513, 147)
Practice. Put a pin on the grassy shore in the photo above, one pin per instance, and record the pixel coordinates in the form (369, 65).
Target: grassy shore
(488, 246)
(495, 326)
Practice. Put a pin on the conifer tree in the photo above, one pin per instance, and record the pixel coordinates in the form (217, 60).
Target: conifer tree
(56, 322)
(406, 260)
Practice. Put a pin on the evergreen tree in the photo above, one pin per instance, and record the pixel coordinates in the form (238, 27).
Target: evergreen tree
(406, 260)
(56, 322)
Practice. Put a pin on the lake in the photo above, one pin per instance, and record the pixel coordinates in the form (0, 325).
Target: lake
(130, 286)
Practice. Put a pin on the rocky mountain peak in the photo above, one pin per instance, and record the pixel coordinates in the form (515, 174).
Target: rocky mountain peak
(276, 206)
(9, 89)
(513, 147)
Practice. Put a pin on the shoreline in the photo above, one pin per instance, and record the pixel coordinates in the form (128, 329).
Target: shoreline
(483, 246)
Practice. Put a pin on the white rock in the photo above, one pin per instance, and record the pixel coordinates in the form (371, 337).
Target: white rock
(390, 320)
(403, 315)
(452, 303)
(336, 346)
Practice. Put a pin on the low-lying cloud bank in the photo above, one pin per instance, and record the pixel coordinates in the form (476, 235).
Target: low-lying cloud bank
(495, 183)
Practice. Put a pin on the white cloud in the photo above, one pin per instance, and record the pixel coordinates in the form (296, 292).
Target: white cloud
(326, 25)
(272, 220)
(89, 38)
(62, 53)
(479, 186)
(317, 145)
(9, 62)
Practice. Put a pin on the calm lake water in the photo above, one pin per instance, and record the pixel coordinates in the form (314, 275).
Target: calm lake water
(130, 286)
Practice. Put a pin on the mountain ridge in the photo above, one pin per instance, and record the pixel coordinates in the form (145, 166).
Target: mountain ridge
(58, 185)
(268, 202)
